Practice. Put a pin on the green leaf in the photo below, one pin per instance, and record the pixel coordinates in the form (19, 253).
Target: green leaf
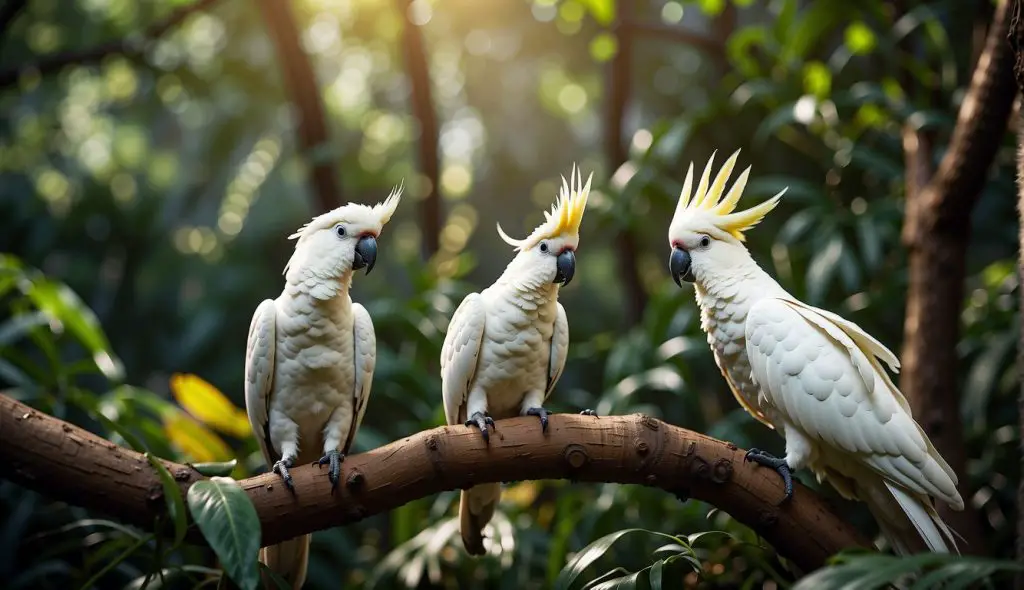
(817, 79)
(656, 574)
(870, 242)
(276, 578)
(216, 469)
(624, 582)
(228, 521)
(172, 495)
(18, 326)
(61, 303)
(587, 556)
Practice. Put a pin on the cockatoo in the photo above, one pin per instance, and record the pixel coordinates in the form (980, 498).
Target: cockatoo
(310, 357)
(808, 373)
(506, 346)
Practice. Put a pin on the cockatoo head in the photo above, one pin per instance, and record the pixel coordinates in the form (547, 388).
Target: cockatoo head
(550, 250)
(334, 244)
(706, 234)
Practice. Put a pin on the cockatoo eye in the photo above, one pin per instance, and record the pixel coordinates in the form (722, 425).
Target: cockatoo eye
(340, 230)
(544, 247)
(705, 242)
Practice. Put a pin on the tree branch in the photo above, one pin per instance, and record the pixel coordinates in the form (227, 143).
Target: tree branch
(937, 241)
(67, 463)
(418, 70)
(619, 82)
(131, 46)
(676, 34)
(297, 71)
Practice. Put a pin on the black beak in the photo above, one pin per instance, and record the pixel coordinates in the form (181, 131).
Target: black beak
(566, 265)
(366, 253)
(679, 264)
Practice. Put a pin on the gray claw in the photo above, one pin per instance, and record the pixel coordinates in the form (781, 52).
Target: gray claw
(332, 458)
(542, 414)
(779, 465)
(281, 467)
(589, 412)
(481, 421)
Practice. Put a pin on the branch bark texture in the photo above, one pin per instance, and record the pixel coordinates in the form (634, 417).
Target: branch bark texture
(129, 47)
(65, 462)
(940, 222)
(298, 75)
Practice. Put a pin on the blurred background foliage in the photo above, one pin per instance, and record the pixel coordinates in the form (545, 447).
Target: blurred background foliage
(145, 201)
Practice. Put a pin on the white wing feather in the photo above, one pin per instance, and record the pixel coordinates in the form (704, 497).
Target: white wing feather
(259, 372)
(559, 349)
(365, 340)
(822, 381)
(460, 354)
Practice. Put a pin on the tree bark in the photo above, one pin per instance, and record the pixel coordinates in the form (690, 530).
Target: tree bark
(1016, 37)
(418, 69)
(939, 230)
(298, 75)
(67, 463)
(131, 47)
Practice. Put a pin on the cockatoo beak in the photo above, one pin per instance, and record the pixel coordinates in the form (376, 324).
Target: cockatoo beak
(681, 266)
(366, 253)
(566, 265)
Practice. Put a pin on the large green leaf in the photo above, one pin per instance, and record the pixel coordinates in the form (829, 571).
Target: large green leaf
(229, 523)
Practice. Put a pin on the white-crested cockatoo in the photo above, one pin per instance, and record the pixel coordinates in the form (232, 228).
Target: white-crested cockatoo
(310, 357)
(808, 373)
(506, 346)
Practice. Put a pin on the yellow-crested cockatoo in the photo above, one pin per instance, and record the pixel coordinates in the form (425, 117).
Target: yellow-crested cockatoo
(506, 346)
(808, 373)
(310, 357)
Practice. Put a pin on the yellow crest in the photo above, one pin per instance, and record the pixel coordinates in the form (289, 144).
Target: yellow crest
(708, 204)
(565, 215)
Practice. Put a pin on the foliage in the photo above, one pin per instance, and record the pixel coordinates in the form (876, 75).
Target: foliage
(145, 204)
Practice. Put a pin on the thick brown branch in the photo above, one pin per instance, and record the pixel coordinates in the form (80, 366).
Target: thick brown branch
(297, 71)
(617, 92)
(940, 222)
(132, 47)
(417, 68)
(70, 464)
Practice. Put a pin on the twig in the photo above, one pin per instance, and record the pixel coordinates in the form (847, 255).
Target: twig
(131, 47)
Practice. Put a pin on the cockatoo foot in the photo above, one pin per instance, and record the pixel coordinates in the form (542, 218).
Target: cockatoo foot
(481, 421)
(589, 412)
(542, 414)
(332, 458)
(281, 467)
(779, 465)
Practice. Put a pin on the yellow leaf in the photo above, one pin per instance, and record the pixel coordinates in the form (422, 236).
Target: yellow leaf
(208, 405)
(193, 439)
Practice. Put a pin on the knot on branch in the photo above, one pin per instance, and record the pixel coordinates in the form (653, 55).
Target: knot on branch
(576, 456)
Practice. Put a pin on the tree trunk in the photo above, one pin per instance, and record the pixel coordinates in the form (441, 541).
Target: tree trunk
(937, 237)
(1016, 37)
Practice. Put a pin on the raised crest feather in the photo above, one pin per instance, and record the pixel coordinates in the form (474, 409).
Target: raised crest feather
(354, 212)
(707, 205)
(565, 216)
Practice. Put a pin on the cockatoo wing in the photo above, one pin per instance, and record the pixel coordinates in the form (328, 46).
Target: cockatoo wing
(460, 354)
(559, 349)
(259, 373)
(829, 385)
(365, 348)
